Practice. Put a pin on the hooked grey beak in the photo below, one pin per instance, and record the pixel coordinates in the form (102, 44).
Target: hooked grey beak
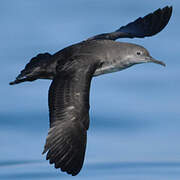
(151, 59)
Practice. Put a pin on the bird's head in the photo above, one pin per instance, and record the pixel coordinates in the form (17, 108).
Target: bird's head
(123, 55)
(135, 54)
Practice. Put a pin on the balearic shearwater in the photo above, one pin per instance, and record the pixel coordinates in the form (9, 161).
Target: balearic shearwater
(72, 69)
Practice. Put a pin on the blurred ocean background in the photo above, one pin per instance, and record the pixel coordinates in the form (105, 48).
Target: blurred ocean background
(135, 114)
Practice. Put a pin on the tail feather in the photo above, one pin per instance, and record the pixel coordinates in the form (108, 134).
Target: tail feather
(36, 68)
(17, 81)
(39, 60)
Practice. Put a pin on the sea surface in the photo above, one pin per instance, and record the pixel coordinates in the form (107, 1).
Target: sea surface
(135, 113)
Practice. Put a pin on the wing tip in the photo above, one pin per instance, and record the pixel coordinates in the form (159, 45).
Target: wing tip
(72, 168)
(127, 30)
(161, 15)
(65, 147)
(168, 9)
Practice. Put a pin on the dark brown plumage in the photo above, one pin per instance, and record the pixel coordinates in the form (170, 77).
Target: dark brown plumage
(71, 70)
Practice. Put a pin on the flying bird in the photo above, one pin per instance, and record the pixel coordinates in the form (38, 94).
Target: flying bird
(71, 70)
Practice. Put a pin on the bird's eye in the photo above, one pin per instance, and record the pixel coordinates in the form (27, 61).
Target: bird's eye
(138, 53)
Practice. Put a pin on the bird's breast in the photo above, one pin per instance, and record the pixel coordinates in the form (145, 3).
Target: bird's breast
(109, 66)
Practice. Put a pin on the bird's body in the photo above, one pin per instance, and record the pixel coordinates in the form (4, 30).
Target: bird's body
(107, 52)
(72, 69)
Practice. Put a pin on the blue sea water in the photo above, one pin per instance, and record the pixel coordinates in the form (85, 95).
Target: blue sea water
(135, 118)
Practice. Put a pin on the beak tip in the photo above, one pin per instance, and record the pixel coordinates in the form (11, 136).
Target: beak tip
(157, 62)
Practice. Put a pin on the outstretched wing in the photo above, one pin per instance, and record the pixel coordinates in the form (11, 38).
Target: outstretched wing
(69, 114)
(149, 25)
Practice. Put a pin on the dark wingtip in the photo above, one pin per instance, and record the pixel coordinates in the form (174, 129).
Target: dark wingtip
(162, 15)
(168, 9)
(146, 26)
(166, 13)
(171, 9)
(149, 25)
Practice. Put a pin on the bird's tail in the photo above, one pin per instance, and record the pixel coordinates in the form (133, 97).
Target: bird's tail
(35, 69)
